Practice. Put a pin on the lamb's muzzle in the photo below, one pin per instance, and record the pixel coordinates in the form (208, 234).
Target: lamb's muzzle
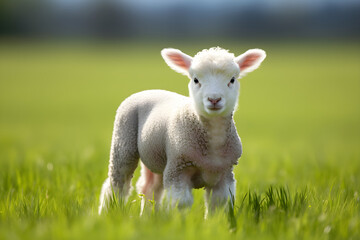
(214, 101)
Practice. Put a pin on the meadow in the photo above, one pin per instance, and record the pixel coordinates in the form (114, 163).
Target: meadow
(298, 118)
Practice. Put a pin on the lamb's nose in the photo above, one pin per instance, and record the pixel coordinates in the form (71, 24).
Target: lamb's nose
(214, 100)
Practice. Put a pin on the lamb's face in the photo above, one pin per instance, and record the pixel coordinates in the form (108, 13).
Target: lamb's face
(213, 75)
(213, 84)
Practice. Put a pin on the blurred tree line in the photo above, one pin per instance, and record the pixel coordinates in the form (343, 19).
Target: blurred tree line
(110, 19)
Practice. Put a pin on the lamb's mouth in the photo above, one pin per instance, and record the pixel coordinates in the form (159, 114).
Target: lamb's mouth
(214, 108)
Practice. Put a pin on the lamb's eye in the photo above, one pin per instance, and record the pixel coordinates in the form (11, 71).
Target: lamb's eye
(196, 81)
(232, 80)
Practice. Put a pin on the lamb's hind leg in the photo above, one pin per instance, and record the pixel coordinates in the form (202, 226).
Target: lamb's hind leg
(150, 184)
(124, 158)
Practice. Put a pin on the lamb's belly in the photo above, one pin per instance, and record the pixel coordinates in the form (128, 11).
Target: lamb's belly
(203, 178)
(211, 178)
(210, 174)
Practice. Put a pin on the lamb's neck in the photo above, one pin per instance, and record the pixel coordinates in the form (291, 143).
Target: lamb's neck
(217, 129)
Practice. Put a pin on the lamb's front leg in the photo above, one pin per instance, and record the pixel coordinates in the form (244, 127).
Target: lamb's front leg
(218, 195)
(177, 184)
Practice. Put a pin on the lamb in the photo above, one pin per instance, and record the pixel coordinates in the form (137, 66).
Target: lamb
(183, 142)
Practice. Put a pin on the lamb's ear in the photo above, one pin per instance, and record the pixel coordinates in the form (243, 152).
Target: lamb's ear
(250, 60)
(177, 60)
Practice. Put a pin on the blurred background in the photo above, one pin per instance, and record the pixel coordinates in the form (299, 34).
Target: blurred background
(179, 19)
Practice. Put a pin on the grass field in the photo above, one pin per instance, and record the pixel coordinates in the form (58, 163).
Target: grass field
(298, 117)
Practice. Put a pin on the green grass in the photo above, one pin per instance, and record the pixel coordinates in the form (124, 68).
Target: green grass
(298, 117)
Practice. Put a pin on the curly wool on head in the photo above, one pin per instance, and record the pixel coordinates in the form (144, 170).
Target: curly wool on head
(215, 59)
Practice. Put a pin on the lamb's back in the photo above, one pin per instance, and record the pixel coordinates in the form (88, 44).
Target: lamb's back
(154, 108)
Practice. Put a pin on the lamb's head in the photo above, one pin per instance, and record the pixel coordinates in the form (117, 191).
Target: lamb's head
(213, 75)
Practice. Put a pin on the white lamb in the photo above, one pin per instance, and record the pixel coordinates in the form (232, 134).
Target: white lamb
(183, 142)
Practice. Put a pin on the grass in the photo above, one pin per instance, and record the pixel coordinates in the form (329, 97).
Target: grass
(298, 118)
